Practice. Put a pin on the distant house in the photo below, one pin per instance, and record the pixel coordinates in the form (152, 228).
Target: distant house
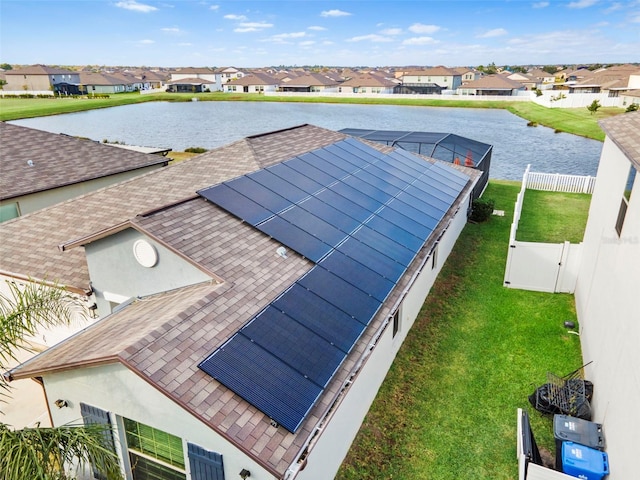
(468, 74)
(253, 299)
(226, 74)
(367, 83)
(607, 293)
(43, 78)
(101, 83)
(310, 82)
(191, 85)
(256, 82)
(202, 79)
(612, 81)
(491, 85)
(40, 169)
(430, 80)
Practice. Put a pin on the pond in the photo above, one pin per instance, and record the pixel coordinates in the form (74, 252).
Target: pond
(212, 124)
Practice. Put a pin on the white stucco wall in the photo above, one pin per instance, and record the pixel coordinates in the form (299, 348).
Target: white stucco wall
(116, 389)
(609, 311)
(336, 437)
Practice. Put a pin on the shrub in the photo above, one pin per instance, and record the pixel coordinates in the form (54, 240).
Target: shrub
(632, 108)
(195, 150)
(481, 209)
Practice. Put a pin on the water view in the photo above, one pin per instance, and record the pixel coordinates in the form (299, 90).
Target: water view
(211, 124)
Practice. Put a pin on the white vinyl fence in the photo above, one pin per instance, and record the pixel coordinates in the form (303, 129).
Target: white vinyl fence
(555, 182)
(543, 267)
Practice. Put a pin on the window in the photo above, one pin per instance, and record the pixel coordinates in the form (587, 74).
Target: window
(434, 257)
(9, 211)
(396, 322)
(626, 197)
(154, 454)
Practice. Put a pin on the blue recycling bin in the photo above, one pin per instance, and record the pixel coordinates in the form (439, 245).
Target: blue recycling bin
(584, 462)
(576, 430)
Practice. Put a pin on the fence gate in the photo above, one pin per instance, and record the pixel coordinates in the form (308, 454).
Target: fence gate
(535, 266)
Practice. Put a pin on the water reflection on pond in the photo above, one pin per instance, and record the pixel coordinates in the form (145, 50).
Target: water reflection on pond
(212, 124)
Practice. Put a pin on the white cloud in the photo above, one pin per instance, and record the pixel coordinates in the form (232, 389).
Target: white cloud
(635, 18)
(239, 18)
(135, 6)
(290, 35)
(306, 43)
(146, 42)
(421, 28)
(540, 4)
(334, 13)
(614, 6)
(582, 3)
(316, 28)
(496, 32)
(185, 44)
(371, 38)
(391, 31)
(419, 41)
(245, 27)
(214, 7)
(173, 30)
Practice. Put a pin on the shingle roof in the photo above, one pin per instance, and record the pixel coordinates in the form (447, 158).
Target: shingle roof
(40, 70)
(29, 244)
(624, 130)
(163, 337)
(256, 78)
(369, 80)
(34, 160)
(493, 82)
(434, 71)
(311, 79)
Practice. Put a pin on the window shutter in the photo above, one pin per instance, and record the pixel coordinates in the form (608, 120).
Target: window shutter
(93, 415)
(205, 465)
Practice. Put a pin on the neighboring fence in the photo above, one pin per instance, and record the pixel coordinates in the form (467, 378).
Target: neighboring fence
(564, 99)
(18, 93)
(543, 267)
(555, 182)
(515, 98)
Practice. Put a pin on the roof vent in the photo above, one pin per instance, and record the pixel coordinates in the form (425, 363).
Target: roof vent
(30, 163)
(145, 253)
(282, 252)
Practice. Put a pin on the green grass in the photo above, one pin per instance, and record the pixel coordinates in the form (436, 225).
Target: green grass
(578, 121)
(447, 408)
(553, 217)
(575, 120)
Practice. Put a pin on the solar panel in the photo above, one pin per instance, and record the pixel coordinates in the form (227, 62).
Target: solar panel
(263, 380)
(236, 203)
(288, 174)
(384, 244)
(341, 294)
(320, 316)
(372, 258)
(362, 216)
(297, 346)
(289, 191)
(363, 277)
(295, 238)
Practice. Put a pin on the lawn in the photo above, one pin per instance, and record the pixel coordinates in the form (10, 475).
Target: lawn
(578, 121)
(447, 408)
(553, 217)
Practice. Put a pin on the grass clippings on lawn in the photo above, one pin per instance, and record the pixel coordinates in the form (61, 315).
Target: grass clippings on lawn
(447, 409)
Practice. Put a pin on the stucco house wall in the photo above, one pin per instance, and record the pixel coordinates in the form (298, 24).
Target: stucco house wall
(113, 286)
(119, 391)
(609, 312)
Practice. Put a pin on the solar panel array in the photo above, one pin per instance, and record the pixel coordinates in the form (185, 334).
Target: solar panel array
(361, 216)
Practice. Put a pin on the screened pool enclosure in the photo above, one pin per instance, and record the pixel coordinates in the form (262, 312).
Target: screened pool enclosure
(447, 147)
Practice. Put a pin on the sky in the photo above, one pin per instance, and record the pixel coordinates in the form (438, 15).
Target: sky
(374, 33)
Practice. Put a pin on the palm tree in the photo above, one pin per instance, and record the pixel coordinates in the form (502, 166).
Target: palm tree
(45, 453)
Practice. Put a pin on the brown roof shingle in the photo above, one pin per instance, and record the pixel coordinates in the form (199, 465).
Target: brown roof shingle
(34, 160)
(29, 244)
(624, 130)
